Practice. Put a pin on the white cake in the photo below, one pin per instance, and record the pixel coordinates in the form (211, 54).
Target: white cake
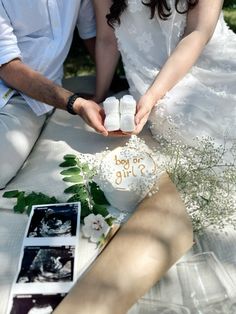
(126, 174)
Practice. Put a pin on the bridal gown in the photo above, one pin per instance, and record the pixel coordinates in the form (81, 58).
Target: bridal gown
(203, 103)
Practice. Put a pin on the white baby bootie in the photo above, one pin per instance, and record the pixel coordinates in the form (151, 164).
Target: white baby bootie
(127, 113)
(112, 119)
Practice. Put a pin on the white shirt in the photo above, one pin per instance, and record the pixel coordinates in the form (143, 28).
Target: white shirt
(39, 32)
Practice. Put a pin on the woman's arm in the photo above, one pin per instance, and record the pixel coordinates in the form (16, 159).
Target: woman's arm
(201, 23)
(107, 54)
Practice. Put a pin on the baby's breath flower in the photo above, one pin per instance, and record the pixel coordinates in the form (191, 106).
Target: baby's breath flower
(205, 176)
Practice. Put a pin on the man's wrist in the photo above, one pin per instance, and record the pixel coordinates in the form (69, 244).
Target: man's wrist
(70, 103)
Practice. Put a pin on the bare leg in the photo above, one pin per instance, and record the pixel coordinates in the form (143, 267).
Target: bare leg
(154, 238)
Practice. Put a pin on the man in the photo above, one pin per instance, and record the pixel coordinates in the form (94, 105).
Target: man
(35, 37)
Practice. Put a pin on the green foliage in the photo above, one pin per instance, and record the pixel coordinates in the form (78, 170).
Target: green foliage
(85, 191)
(229, 3)
(11, 194)
(98, 196)
(230, 18)
(25, 201)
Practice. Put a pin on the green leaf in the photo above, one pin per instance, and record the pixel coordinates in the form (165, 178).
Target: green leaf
(85, 167)
(20, 204)
(97, 194)
(85, 210)
(69, 156)
(110, 221)
(89, 173)
(81, 195)
(70, 171)
(11, 194)
(68, 163)
(75, 179)
(73, 189)
(38, 199)
(99, 209)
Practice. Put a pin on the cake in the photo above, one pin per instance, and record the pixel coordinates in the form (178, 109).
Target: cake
(127, 174)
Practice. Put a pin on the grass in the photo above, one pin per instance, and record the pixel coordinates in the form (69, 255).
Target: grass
(78, 61)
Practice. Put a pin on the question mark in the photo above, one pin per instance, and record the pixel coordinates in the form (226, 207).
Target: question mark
(142, 167)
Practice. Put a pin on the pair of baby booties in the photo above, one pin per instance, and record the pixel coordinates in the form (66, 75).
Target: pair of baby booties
(120, 113)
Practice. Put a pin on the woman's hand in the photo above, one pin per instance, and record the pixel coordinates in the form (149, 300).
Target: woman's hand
(144, 107)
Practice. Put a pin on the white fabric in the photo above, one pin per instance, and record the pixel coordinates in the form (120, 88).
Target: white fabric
(68, 134)
(39, 33)
(19, 130)
(203, 103)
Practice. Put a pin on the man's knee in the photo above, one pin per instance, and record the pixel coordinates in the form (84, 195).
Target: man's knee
(14, 151)
(19, 130)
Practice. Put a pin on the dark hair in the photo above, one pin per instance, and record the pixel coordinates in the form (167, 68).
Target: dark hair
(162, 7)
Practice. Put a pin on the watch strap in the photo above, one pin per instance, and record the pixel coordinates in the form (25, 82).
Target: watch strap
(70, 103)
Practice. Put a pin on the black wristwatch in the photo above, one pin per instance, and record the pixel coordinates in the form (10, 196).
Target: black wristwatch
(70, 103)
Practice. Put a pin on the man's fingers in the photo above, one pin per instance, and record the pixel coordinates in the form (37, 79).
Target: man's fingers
(96, 123)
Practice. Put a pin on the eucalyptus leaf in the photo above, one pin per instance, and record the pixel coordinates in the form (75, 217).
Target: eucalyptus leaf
(11, 194)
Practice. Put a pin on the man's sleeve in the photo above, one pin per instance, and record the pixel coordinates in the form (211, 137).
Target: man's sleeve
(86, 20)
(9, 49)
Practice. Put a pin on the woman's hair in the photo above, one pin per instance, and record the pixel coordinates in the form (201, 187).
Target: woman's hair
(162, 7)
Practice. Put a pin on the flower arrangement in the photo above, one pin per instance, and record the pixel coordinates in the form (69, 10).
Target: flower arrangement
(205, 175)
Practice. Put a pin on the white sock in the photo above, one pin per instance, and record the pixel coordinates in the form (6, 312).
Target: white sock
(127, 113)
(112, 119)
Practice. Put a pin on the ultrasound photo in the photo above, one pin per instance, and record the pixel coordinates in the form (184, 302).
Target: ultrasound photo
(58, 220)
(35, 304)
(47, 264)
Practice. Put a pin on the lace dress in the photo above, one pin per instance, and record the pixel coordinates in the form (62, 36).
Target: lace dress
(203, 103)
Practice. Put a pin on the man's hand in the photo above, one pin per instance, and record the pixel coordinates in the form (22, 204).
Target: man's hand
(144, 107)
(91, 113)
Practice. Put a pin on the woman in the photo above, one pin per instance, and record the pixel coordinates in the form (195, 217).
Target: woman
(179, 59)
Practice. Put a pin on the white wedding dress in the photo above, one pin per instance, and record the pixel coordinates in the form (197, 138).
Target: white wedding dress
(203, 103)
